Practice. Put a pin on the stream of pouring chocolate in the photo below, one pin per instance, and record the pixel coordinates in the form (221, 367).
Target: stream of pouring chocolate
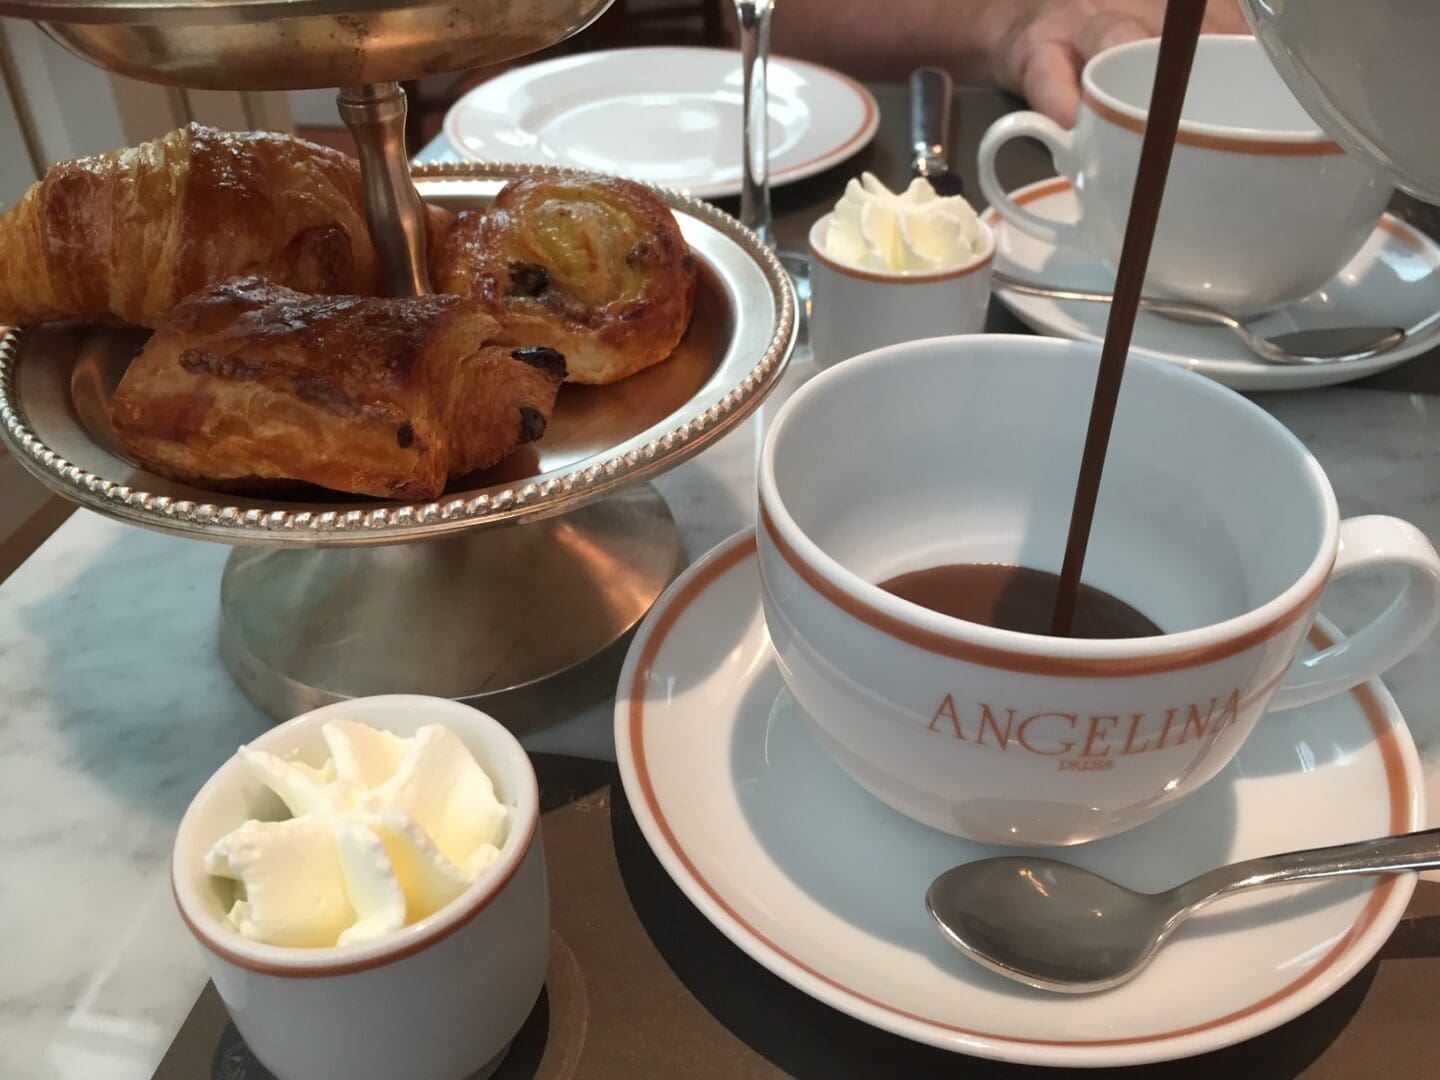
(1172, 72)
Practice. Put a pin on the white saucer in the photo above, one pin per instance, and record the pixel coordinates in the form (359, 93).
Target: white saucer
(1393, 281)
(824, 885)
(668, 116)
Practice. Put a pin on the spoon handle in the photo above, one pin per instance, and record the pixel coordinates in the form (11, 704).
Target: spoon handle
(1389, 854)
(1175, 308)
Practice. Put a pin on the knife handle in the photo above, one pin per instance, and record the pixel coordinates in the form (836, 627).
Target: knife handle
(931, 91)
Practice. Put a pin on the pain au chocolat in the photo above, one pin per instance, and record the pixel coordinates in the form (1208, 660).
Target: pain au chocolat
(246, 381)
(596, 269)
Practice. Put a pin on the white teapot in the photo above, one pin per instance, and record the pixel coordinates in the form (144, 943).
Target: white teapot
(1368, 71)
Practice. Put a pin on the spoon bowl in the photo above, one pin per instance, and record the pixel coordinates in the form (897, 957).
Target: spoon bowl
(1082, 933)
(1056, 926)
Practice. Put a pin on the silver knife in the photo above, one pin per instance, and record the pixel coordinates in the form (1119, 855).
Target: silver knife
(931, 91)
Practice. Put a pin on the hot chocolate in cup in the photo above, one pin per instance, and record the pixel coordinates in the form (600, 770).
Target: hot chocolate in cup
(1261, 207)
(1213, 520)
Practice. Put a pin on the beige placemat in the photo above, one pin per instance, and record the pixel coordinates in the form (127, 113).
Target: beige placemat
(641, 985)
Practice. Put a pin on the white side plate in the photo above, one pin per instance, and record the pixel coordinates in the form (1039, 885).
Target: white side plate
(668, 116)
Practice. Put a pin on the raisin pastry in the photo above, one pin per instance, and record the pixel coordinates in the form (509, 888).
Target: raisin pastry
(594, 268)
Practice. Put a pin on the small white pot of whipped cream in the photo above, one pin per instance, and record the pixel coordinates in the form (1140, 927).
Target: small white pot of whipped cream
(887, 267)
(368, 884)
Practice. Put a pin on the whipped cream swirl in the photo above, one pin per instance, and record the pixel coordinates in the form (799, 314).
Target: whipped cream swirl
(387, 832)
(875, 228)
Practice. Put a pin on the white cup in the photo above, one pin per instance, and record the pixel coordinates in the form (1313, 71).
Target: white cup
(855, 309)
(1213, 520)
(1261, 208)
(441, 998)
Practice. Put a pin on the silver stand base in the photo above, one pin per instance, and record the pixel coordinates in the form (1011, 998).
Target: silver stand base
(482, 617)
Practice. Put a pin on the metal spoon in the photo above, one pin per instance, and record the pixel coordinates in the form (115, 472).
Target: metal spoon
(1055, 926)
(1299, 347)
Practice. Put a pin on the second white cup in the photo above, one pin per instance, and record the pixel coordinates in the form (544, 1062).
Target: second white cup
(1261, 208)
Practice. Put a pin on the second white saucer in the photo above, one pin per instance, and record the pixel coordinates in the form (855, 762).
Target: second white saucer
(1393, 281)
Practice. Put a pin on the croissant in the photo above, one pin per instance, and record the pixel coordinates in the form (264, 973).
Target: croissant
(596, 269)
(124, 236)
(246, 381)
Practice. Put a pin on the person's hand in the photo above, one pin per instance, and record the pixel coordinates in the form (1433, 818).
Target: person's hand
(1038, 47)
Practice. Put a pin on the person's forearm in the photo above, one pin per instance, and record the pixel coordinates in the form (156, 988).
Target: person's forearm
(1034, 48)
(872, 39)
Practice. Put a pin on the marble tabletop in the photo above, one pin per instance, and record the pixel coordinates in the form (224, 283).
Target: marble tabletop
(117, 708)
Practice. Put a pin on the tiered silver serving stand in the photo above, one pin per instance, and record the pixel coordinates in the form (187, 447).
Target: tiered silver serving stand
(517, 576)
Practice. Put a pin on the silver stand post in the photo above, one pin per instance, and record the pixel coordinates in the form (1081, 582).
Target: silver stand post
(375, 115)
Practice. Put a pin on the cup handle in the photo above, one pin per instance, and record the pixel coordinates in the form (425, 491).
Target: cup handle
(1058, 141)
(1395, 633)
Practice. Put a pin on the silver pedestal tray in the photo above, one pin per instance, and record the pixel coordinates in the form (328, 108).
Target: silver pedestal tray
(362, 46)
(294, 44)
(327, 597)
